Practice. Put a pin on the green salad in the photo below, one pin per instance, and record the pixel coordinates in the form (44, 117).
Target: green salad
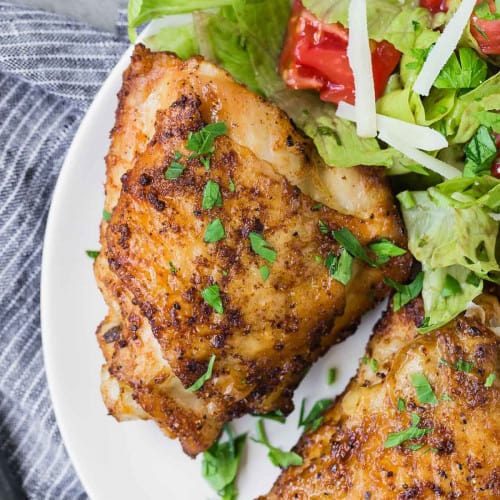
(452, 223)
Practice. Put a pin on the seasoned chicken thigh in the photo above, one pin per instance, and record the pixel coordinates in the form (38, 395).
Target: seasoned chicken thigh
(449, 447)
(256, 337)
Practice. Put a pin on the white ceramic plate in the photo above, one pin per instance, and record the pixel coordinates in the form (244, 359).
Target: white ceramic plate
(132, 460)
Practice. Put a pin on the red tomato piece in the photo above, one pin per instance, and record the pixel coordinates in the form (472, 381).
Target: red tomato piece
(487, 32)
(314, 56)
(434, 6)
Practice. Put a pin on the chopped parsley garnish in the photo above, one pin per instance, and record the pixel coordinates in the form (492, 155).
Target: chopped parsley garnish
(313, 420)
(211, 295)
(106, 215)
(206, 376)
(277, 416)
(93, 254)
(461, 365)
(211, 196)
(446, 397)
(173, 269)
(405, 293)
(202, 142)
(317, 207)
(340, 268)
(220, 464)
(414, 432)
(264, 272)
(323, 227)
(480, 153)
(318, 259)
(423, 389)
(232, 187)
(490, 379)
(401, 404)
(450, 286)
(214, 232)
(331, 376)
(278, 457)
(384, 250)
(352, 245)
(371, 362)
(343, 268)
(465, 71)
(261, 247)
(174, 171)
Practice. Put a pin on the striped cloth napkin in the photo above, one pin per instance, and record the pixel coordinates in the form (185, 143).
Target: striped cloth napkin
(50, 69)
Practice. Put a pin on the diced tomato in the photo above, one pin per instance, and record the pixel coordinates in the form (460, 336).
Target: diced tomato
(314, 56)
(486, 32)
(434, 6)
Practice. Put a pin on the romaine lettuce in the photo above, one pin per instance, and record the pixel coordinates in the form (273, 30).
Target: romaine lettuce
(178, 39)
(440, 308)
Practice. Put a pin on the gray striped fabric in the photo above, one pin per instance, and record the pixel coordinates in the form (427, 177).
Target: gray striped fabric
(50, 69)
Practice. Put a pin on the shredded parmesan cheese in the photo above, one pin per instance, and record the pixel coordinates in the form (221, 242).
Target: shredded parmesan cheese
(428, 161)
(418, 136)
(446, 44)
(360, 60)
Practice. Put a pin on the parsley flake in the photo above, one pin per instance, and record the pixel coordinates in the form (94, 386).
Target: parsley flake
(220, 464)
(446, 397)
(317, 207)
(202, 142)
(206, 376)
(384, 250)
(214, 232)
(278, 457)
(93, 254)
(232, 187)
(264, 272)
(371, 362)
(277, 416)
(261, 247)
(106, 216)
(173, 269)
(345, 237)
(401, 404)
(211, 196)
(490, 379)
(323, 227)
(465, 71)
(423, 389)
(405, 293)
(211, 295)
(331, 376)
(480, 153)
(461, 365)
(313, 420)
(174, 171)
(414, 432)
(343, 268)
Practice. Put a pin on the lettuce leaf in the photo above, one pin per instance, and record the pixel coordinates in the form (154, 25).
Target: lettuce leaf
(178, 39)
(221, 41)
(142, 11)
(439, 309)
(442, 234)
(462, 122)
(452, 231)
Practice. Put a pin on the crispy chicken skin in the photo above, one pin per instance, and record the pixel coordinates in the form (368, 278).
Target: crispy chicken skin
(162, 331)
(345, 457)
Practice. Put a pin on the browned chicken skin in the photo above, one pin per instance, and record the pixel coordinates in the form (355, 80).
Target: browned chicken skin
(160, 334)
(460, 458)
